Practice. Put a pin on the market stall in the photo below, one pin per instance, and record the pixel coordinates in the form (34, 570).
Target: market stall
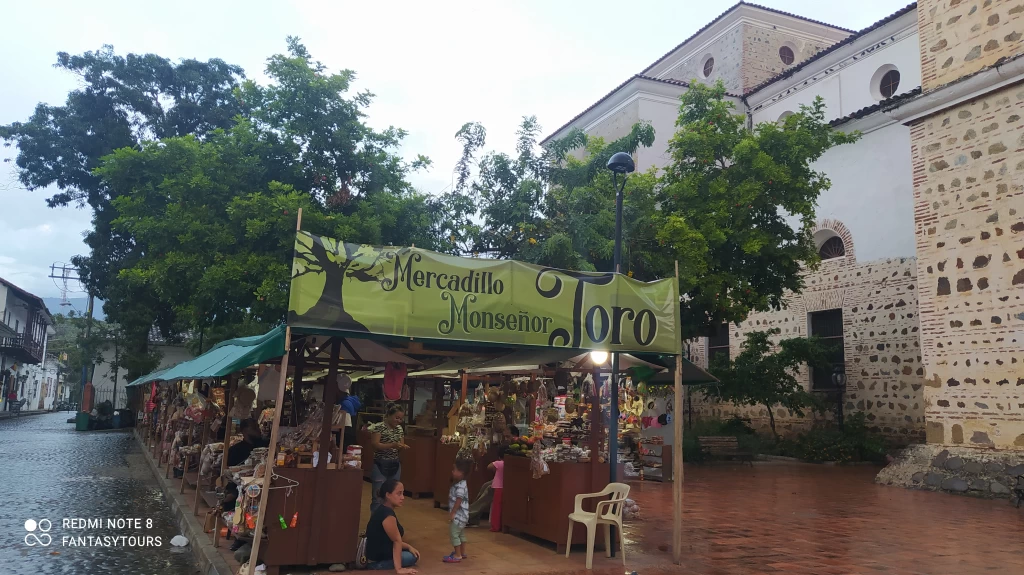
(407, 300)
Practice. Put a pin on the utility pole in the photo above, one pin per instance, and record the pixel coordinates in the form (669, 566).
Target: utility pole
(87, 364)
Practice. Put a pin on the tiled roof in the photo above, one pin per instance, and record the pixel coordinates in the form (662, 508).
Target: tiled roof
(608, 95)
(832, 48)
(729, 11)
(616, 89)
(27, 296)
(883, 105)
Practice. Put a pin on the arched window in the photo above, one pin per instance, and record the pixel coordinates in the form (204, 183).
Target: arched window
(832, 248)
(833, 241)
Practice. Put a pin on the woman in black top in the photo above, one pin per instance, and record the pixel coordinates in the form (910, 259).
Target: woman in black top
(385, 549)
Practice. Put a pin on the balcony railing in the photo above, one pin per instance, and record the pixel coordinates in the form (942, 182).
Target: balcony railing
(27, 350)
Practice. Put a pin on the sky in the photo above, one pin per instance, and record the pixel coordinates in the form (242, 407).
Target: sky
(432, 65)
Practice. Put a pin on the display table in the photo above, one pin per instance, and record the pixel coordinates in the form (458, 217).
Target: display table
(444, 460)
(328, 527)
(541, 507)
(418, 465)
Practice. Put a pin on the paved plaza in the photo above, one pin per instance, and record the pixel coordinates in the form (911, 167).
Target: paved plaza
(772, 518)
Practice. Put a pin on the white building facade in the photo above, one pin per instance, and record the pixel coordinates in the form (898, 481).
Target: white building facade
(864, 295)
(25, 325)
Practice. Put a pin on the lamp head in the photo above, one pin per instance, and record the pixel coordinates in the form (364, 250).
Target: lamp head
(599, 357)
(621, 163)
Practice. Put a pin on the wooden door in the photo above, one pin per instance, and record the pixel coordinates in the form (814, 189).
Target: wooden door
(514, 509)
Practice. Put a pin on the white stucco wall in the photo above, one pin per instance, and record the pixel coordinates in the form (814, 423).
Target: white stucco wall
(103, 377)
(851, 89)
(872, 193)
(40, 384)
(662, 114)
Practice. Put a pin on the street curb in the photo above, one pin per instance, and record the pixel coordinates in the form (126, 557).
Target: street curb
(209, 559)
(9, 415)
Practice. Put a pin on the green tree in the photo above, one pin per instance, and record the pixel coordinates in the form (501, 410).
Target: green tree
(579, 210)
(121, 102)
(548, 206)
(70, 343)
(729, 201)
(195, 177)
(763, 373)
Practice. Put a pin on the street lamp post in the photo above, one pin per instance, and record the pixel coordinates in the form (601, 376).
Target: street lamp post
(619, 163)
(839, 380)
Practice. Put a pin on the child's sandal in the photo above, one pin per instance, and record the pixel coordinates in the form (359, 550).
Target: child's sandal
(451, 559)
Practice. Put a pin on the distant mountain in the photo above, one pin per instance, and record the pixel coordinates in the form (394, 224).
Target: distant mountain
(79, 305)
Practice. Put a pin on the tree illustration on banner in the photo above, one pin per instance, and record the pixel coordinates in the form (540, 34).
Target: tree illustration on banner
(324, 266)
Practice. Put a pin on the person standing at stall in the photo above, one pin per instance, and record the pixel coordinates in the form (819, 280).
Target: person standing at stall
(387, 440)
(497, 485)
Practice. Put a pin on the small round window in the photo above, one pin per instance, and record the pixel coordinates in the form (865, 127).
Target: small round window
(786, 54)
(709, 66)
(889, 83)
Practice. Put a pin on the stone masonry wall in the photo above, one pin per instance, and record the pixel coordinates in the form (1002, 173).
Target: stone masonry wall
(745, 56)
(969, 217)
(761, 59)
(728, 54)
(961, 37)
(982, 473)
(881, 344)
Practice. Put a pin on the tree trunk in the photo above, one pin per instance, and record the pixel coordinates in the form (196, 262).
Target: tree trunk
(771, 421)
(329, 310)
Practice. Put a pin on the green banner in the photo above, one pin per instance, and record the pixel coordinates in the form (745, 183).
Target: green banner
(418, 293)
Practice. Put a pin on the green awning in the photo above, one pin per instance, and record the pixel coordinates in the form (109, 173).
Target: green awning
(155, 376)
(692, 374)
(225, 358)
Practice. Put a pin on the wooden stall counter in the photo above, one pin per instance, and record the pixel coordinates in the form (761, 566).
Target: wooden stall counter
(541, 507)
(363, 437)
(327, 530)
(418, 474)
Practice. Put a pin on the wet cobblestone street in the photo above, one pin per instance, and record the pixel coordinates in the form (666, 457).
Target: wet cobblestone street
(49, 471)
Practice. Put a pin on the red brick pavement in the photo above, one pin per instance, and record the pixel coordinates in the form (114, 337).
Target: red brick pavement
(823, 520)
(769, 519)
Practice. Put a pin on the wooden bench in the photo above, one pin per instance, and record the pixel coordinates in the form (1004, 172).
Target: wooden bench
(724, 447)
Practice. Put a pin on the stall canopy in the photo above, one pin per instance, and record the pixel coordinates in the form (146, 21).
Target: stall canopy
(451, 368)
(225, 358)
(529, 360)
(692, 374)
(155, 376)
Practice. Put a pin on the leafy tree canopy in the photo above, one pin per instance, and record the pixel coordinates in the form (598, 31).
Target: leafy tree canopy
(729, 201)
(195, 176)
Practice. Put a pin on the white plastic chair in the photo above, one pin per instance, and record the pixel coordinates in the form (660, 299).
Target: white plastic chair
(607, 513)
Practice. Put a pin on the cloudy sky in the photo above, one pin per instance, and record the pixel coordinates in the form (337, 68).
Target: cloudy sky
(432, 65)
